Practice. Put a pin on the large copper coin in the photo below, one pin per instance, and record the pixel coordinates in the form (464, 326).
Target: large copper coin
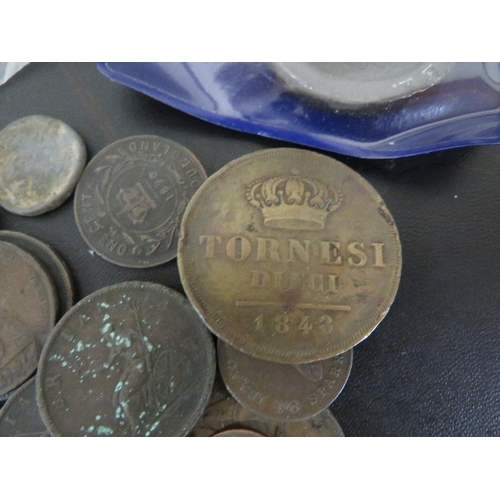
(223, 413)
(131, 359)
(28, 305)
(41, 160)
(283, 391)
(289, 255)
(52, 262)
(131, 197)
(20, 415)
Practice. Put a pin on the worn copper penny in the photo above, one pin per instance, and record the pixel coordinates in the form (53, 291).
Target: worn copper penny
(131, 198)
(225, 413)
(28, 305)
(131, 359)
(20, 415)
(239, 433)
(283, 391)
(52, 262)
(289, 255)
(41, 159)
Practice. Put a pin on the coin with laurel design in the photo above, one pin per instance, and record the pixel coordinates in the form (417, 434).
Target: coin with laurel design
(289, 255)
(131, 197)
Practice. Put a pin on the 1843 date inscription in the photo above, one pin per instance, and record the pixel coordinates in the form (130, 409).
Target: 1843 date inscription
(131, 198)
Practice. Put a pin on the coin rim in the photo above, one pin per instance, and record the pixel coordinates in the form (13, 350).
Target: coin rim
(65, 189)
(275, 354)
(172, 254)
(182, 301)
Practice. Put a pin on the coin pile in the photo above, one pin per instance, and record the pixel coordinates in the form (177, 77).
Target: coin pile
(289, 257)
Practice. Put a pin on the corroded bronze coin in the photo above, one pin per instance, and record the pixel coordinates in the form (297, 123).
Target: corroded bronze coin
(20, 415)
(283, 391)
(225, 413)
(239, 433)
(28, 305)
(289, 255)
(41, 159)
(52, 262)
(131, 359)
(131, 197)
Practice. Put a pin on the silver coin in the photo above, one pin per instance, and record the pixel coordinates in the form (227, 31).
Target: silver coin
(41, 160)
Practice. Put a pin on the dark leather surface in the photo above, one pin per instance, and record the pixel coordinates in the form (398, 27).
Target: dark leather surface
(432, 367)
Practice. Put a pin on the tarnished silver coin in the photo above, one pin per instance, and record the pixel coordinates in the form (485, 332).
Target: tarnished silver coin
(20, 415)
(131, 198)
(41, 160)
(283, 391)
(51, 261)
(131, 359)
(28, 305)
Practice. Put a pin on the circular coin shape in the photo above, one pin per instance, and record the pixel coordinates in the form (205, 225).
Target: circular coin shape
(41, 159)
(289, 255)
(131, 197)
(28, 305)
(283, 391)
(239, 433)
(223, 413)
(131, 359)
(52, 263)
(20, 415)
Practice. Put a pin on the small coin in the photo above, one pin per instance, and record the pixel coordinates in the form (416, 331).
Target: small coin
(20, 415)
(41, 159)
(131, 359)
(52, 263)
(289, 255)
(28, 305)
(283, 391)
(225, 413)
(131, 198)
(239, 433)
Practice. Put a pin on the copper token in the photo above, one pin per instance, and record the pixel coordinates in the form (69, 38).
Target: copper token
(131, 359)
(239, 433)
(131, 198)
(223, 413)
(41, 160)
(20, 415)
(52, 262)
(28, 305)
(289, 255)
(283, 391)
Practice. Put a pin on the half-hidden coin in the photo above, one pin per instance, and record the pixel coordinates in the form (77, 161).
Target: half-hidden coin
(28, 305)
(131, 359)
(282, 391)
(131, 198)
(223, 413)
(289, 255)
(41, 159)
(20, 415)
(52, 262)
(239, 433)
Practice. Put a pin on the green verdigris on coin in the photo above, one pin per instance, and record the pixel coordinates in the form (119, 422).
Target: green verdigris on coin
(131, 359)
(41, 159)
(131, 198)
(289, 255)
(28, 305)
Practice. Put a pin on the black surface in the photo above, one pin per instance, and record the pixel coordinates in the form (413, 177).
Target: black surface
(432, 366)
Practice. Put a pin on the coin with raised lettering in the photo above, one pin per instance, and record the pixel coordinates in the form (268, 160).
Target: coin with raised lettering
(20, 415)
(52, 262)
(131, 197)
(282, 391)
(28, 305)
(289, 255)
(41, 159)
(224, 413)
(131, 359)
(239, 433)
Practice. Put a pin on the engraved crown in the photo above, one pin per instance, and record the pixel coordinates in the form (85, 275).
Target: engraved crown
(293, 202)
